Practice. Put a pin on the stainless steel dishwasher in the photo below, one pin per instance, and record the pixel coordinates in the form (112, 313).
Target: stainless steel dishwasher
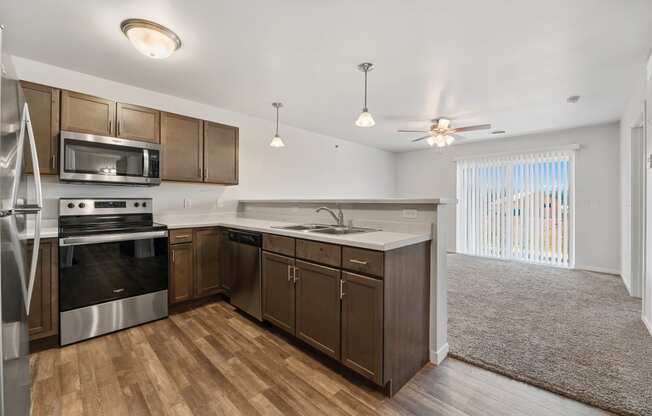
(245, 273)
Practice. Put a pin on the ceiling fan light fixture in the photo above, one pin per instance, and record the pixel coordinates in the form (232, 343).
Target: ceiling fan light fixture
(443, 123)
(431, 141)
(276, 140)
(150, 38)
(449, 140)
(365, 119)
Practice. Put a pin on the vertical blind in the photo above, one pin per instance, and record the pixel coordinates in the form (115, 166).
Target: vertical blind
(517, 207)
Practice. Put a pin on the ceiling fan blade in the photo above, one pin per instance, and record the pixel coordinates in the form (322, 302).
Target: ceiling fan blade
(473, 128)
(458, 137)
(420, 138)
(412, 131)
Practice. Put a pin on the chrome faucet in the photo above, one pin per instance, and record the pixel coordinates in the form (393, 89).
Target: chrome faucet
(339, 217)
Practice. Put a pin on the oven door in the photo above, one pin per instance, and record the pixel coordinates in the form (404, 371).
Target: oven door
(90, 158)
(102, 268)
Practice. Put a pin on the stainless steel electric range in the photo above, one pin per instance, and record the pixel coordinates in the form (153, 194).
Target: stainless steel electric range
(113, 266)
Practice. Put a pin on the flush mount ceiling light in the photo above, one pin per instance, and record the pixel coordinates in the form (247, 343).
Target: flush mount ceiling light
(150, 38)
(276, 140)
(365, 119)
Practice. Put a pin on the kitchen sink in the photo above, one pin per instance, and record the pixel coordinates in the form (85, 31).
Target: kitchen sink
(303, 227)
(343, 230)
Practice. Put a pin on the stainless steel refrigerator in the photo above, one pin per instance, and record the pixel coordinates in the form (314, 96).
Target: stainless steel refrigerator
(19, 222)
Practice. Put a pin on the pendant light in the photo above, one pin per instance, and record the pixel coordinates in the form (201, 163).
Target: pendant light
(276, 140)
(150, 38)
(365, 119)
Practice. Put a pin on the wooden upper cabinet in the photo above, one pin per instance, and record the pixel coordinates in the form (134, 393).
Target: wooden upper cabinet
(362, 325)
(182, 148)
(318, 307)
(87, 114)
(43, 102)
(220, 153)
(207, 245)
(138, 123)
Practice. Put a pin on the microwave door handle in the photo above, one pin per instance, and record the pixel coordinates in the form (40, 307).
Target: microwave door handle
(146, 163)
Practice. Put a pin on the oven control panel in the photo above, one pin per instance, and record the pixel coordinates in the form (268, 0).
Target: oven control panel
(102, 206)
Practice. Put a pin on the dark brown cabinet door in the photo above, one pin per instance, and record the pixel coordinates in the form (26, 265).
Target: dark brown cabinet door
(138, 123)
(278, 291)
(362, 325)
(87, 114)
(318, 307)
(43, 102)
(207, 243)
(220, 153)
(227, 261)
(182, 148)
(181, 273)
(43, 311)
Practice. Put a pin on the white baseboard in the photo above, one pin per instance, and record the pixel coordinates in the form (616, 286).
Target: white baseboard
(647, 323)
(597, 269)
(436, 357)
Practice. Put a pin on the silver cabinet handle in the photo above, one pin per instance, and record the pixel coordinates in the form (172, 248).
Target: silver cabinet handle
(295, 275)
(342, 288)
(119, 127)
(364, 263)
(182, 236)
(54, 161)
(109, 127)
(173, 256)
(289, 273)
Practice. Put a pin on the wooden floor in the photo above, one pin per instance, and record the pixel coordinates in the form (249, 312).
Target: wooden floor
(210, 360)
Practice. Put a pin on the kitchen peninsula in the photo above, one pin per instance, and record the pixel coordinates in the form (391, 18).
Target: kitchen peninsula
(369, 293)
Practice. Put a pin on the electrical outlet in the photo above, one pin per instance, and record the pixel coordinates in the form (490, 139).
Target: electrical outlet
(409, 213)
(220, 203)
(187, 203)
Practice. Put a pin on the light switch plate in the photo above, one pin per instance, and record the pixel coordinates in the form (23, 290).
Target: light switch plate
(409, 213)
(187, 203)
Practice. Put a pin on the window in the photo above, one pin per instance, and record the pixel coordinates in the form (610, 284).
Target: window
(517, 207)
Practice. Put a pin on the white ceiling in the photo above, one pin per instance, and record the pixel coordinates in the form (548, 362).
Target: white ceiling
(509, 63)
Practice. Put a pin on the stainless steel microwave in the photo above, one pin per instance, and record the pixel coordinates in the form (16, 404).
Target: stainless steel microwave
(109, 160)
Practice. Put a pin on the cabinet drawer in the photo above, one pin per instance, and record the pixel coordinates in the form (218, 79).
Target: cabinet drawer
(180, 236)
(279, 244)
(364, 261)
(324, 253)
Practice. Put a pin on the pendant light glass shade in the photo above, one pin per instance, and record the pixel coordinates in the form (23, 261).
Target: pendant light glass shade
(365, 119)
(150, 38)
(276, 140)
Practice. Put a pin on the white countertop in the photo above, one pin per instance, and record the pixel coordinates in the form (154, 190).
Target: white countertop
(374, 240)
(405, 201)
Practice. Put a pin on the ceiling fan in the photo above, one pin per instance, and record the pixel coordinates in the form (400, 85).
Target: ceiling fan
(442, 134)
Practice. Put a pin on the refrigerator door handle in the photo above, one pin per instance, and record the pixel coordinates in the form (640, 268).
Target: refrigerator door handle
(34, 262)
(26, 127)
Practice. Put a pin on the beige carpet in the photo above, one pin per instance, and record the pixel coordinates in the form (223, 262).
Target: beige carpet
(572, 332)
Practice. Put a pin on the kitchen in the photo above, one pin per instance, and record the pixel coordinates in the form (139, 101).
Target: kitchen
(201, 213)
(107, 262)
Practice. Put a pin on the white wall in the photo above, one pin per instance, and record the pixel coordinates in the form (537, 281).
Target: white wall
(432, 172)
(311, 165)
(630, 118)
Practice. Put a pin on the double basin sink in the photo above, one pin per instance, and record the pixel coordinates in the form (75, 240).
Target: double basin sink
(326, 229)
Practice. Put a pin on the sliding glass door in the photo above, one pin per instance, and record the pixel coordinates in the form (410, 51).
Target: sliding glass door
(517, 207)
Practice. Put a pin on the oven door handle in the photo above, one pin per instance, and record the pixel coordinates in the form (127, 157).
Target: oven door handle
(110, 238)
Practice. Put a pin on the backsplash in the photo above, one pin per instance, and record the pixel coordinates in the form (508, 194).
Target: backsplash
(387, 217)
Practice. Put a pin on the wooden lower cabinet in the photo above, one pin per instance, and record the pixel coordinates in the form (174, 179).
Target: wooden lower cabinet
(208, 274)
(318, 307)
(362, 325)
(278, 291)
(181, 273)
(44, 307)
